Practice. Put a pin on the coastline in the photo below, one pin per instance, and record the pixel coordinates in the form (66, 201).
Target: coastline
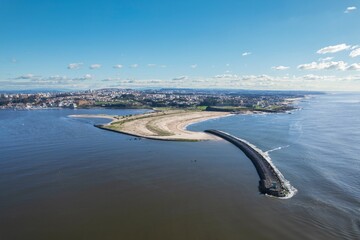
(169, 125)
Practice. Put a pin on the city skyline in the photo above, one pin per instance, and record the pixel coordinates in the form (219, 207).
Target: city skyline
(298, 45)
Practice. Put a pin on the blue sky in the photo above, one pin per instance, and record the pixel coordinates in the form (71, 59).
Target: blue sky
(253, 44)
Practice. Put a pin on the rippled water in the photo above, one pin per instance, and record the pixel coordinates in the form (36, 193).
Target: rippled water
(62, 178)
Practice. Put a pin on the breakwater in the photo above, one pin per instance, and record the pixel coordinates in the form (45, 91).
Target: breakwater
(272, 182)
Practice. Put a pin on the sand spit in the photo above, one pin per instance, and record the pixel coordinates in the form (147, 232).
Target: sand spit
(94, 116)
(162, 125)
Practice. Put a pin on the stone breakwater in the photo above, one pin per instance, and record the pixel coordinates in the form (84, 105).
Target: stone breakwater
(271, 181)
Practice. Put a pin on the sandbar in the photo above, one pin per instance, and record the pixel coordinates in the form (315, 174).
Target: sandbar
(167, 125)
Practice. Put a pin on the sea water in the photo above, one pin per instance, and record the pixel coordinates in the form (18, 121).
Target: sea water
(62, 178)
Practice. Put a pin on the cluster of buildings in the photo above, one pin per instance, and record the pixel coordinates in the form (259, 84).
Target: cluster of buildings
(129, 98)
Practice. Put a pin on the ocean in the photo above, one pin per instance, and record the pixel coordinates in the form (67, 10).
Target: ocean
(62, 178)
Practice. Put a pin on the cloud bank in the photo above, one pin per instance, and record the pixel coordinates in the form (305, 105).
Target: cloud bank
(280, 68)
(95, 66)
(340, 65)
(333, 49)
(74, 66)
(355, 53)
(180, 78)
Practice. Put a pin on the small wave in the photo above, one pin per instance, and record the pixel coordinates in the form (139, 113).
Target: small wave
(275, 149)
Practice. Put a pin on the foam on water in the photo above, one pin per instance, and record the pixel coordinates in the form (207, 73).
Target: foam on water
(285, 183)
(278, 148)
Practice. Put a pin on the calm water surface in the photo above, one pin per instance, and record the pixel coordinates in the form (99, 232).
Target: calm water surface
(62, 178)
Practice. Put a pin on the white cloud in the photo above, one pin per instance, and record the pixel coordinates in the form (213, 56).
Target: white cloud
(155, 81)
(57, 78)
(85, 77)
(181, 78)
(354, 66)
(118, 66)
(163, 66)
(262, 77)
(111, 79)
(27, 76)
(194, 66)
(326, 59)
(95, 66)
(280, 68)
(227, 76)
(151, 65)
(246, 54)
(355, 53)
(317, 77)
(74, 65)
(323, 66)
(135, 65)
(340, 65)
(333, 49)
(350, 9)
(52, 79)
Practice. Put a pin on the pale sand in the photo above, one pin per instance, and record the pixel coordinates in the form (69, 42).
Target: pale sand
(93, 116)
(167, 125)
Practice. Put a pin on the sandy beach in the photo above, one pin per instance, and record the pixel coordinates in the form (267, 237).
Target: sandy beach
(93, 116)
(165, 125)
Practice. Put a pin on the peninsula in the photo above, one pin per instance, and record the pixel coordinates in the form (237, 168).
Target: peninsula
(169, 125)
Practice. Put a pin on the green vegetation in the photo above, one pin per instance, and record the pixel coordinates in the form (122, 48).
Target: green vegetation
(201, 108)
(157, 131)
(121, 104)
(272, 108)
(227, 109)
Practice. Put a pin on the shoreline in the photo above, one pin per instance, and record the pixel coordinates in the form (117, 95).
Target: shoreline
(93, 116)
(165, 125)
(204, 120)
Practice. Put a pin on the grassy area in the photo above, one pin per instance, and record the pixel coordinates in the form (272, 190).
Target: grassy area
(117, 125)
(157, 131)
(127, 104)
(201, 108)
(227, 109)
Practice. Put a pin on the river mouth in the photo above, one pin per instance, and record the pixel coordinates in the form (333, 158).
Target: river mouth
(62, 178)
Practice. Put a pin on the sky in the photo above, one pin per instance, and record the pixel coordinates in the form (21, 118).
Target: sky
(228, 44)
